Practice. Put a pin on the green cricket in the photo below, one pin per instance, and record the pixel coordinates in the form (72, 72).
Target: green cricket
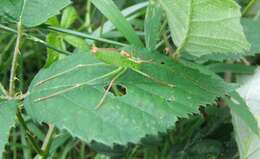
(123, 60)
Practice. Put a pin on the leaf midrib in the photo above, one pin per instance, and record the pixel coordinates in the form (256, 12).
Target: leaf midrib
(185, 40)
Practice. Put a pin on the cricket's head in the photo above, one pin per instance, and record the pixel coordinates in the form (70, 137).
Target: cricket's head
(126, 54)
(94, 50)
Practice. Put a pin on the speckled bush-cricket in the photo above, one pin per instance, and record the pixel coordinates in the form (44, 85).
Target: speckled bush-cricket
(111, 56)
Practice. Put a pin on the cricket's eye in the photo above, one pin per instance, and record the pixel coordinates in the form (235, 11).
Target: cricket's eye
(117, 90)
(162, 62)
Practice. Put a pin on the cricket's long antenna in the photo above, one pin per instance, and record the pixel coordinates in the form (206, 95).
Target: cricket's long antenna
(79, 66)
(109, 87)
(155, 79)
(77, 85)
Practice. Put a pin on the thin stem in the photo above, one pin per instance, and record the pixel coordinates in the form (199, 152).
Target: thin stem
(30, 138)
(164, 24)
(47, 141)
(35, 39)
(15, 55)
(228, 74)
(26, 151)
(168, 45)
(245, 61)
(2, 89)
(248, 6)
(82, 150)
(14, 140)
(83, 35)
(19, 97)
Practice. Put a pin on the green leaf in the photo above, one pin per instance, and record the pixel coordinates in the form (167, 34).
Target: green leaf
(56, 41)
(32, 12)
(252, 32)
(147, 107)
(110, 10)
(234, 68)
(69, 15)
(101, 157)
(11, 9)
(152, 25)
(202, 27)
(108, 26)
(77, 42)
(7, 120)
(218, 57)
(240, 108)
(248, 143)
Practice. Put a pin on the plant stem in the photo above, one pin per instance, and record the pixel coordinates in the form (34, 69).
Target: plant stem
(2, 89)
(35, 39)
(26, 152)
(28, 133)
(248, 6)
(88, 16)
(83, 35)
(82, 150)
(14, 139)
(15, 56)
(228, 74)
(47, 141)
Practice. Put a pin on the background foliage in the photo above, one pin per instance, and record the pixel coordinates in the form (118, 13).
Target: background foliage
(200, 46)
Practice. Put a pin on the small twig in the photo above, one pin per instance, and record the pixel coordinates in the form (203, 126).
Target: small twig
(28, 133)
(15, 56)
(248, 6)
(245, 61)
(3, 89)
(19, 97)
(47, 142)
(228, 75)
(83, 35)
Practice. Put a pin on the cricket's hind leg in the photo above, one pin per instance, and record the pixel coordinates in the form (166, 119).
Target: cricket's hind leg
(109, 88)
(154, 79)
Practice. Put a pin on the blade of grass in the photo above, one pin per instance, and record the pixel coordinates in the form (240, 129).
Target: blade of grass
(152, 25)
(111, 11)
(108, 26)
(83, 35)
(248, 7)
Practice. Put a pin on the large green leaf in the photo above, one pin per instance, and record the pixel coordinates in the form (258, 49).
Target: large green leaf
(69, 16)
(111, 11)
(147, 107)
(201, 27)
(239, 108)
(56, 41)
(247, 141)
(252, 32)
(32, 12)
(7, 120)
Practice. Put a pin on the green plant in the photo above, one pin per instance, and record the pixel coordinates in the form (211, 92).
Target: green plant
(155, 82)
